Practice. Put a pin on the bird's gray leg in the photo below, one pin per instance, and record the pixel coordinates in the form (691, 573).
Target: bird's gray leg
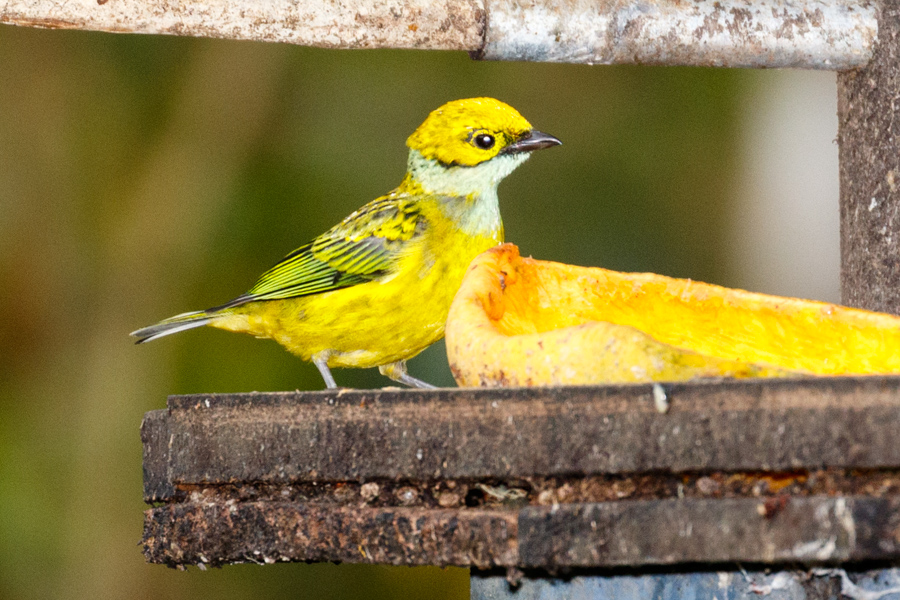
(397, 372)
(321, 362)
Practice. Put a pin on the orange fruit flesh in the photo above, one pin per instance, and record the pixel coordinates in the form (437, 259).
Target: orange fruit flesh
(515, 316)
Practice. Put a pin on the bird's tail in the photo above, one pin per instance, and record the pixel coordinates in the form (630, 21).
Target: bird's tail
(172, 325)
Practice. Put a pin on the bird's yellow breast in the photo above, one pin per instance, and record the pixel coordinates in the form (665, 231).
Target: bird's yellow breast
(389, 319)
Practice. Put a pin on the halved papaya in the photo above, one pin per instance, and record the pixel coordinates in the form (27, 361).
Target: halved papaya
(522, 322)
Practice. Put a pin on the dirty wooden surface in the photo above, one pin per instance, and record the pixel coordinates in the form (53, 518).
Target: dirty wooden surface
(869, 149)
(662, 532)
(806, 530)
(757, 471)
(478, 433)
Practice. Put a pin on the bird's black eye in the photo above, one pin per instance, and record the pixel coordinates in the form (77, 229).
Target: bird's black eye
(485, 141)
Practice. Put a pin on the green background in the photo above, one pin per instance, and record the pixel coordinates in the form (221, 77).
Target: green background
(144, 176)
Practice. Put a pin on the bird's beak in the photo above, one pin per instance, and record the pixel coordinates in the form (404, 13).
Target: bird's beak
(532, 140)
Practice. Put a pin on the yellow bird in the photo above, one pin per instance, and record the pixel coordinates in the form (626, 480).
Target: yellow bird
(374, 290)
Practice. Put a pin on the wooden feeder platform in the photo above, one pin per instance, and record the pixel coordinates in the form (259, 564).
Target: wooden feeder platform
(768, 472)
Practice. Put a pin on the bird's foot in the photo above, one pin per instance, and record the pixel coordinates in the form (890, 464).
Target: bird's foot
(397, 372)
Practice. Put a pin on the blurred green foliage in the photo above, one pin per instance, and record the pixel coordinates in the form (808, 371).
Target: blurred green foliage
(142, 176)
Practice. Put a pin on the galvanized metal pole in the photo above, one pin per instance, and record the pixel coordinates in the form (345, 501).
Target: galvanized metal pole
(812, 34)
(820, 584)
(415, 24)
(815, 34)
(869, 150)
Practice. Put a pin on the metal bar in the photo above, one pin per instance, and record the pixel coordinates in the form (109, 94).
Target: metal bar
(869, 147)
(820, 584)
(815, 34)
(476, 433)
(415, 24)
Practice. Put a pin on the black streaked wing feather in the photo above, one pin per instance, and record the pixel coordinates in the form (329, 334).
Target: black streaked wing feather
(361, 248)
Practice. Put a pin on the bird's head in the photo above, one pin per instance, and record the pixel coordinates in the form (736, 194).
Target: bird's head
(469, 146)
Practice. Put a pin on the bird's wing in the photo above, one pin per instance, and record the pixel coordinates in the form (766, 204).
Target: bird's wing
(363, 247)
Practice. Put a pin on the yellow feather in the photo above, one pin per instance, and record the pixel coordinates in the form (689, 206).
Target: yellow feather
(378, 322)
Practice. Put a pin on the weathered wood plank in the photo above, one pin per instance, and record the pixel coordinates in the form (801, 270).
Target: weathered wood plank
(417, 435)
(813, 529)
(213, 533)
(869, 152)
(804, 530)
